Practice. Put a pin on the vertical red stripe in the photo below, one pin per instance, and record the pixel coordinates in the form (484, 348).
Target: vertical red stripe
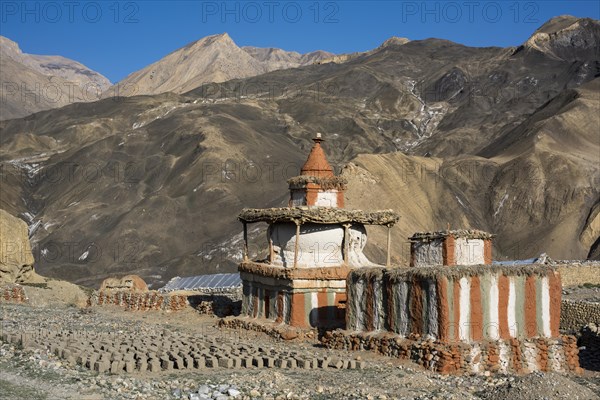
(369, 307)
(279, 318)
(416, 308)
(476, 311)
(297, 311)
(503, 292)
(322, 307)
(487, 251)
(450, 248)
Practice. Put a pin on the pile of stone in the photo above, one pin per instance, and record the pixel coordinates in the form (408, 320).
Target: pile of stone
(220, 306)
(12, 293)
(274, 329)
(139, 301)
(106, 352)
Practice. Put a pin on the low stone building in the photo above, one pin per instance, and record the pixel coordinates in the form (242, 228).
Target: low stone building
(313, 244)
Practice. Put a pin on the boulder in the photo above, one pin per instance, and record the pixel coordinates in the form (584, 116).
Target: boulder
(130, 282)
(16, 258)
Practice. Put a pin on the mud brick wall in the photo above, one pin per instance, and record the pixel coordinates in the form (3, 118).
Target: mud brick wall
(575, 314)
(469, 304)
(578, 273)
(271, 328)
(219, 305)
(12, 293)
(136, 301)
(500, 356)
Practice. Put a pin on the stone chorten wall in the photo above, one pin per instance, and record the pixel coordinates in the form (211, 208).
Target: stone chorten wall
(461, 303)
(466, 319)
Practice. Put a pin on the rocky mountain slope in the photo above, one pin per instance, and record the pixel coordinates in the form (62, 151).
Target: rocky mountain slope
(532, 193)
(214, 58)
(501, 139)
(32, 83)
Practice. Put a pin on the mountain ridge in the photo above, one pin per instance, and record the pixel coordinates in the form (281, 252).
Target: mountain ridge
(34, 83)
(209, 60)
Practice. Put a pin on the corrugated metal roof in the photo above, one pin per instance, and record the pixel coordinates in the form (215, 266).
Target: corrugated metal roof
(517, 262)
(199, 282)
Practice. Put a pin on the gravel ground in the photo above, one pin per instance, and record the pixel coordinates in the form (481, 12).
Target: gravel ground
(37, 374)
(582, 292)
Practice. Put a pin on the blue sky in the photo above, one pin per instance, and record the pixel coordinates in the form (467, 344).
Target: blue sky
(116, 38)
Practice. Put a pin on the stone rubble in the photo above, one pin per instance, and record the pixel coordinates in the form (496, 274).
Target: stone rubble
(40, 373)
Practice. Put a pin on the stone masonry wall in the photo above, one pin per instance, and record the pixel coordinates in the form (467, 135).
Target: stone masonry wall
(577, 313)
(578, 273)
(136, 301)
(502, 356)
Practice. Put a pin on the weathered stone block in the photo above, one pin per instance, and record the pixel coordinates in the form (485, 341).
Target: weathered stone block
(154, 365)
(225, 363)
(101, 366)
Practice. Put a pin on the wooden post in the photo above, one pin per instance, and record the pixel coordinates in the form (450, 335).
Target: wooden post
(271, 251)
(297, 244)
(245, 241)
(389, 247)
(346, 242)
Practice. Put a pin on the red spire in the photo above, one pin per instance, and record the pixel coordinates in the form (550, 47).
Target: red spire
(316, 164)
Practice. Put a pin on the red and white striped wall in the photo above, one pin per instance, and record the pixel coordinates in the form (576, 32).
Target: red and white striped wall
(494, 303)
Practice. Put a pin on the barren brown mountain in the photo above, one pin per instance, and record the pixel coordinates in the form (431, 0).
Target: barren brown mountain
(501, 139)
(32, 83)
(211, 59)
